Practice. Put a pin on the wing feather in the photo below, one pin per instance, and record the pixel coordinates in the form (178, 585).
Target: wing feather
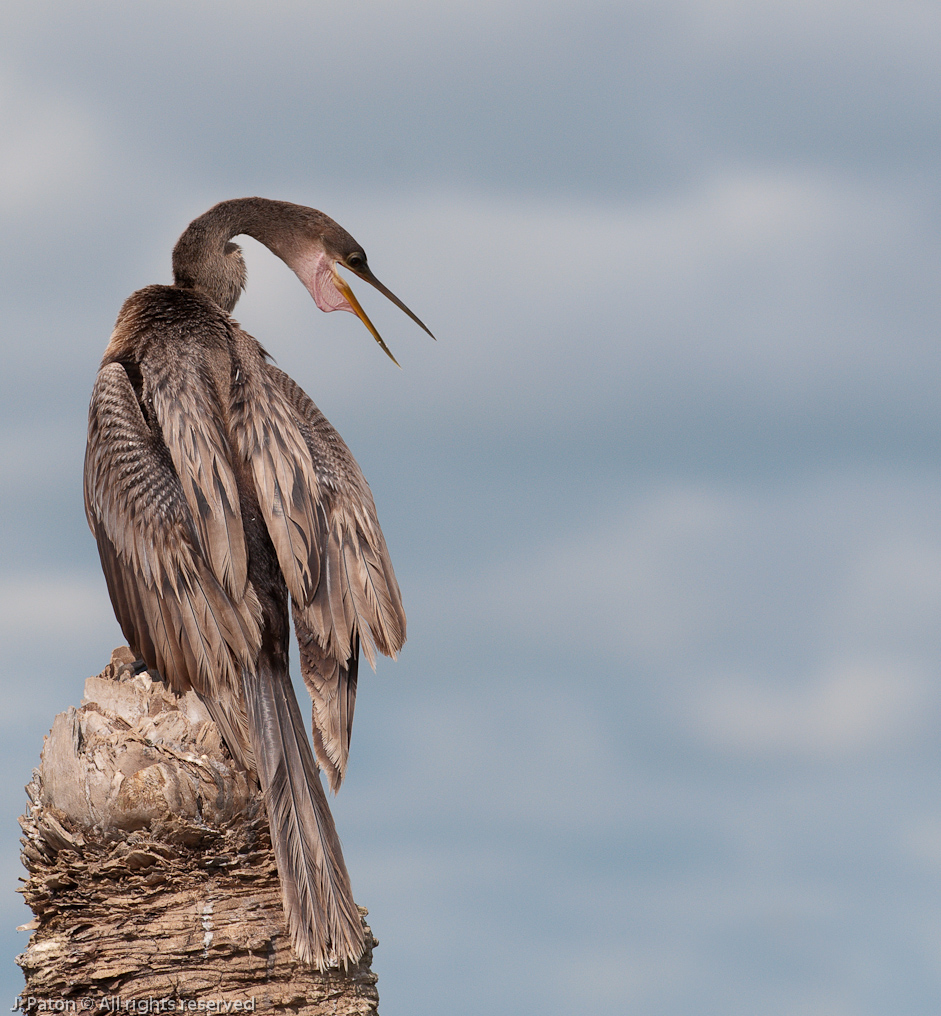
(357, 599)
(332, 688)
(174, 611)
(189, 418)
(270, 442)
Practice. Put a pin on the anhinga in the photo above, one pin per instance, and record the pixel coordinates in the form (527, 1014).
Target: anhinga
(217, 490)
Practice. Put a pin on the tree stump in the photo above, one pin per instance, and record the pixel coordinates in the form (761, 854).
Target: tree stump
(151, 874)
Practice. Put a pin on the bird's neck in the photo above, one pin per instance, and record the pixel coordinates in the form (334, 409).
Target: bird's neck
(206, 260)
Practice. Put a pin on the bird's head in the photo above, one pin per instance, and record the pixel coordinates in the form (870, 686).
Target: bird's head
(309, 242)
(317, 267)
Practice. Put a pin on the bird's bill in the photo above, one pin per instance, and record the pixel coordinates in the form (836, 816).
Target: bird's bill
(367, 276)
(344, 287)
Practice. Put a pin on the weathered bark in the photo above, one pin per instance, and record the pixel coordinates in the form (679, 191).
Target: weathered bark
(151, 874)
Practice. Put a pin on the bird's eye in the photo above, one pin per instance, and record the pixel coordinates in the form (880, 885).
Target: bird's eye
(356, 260)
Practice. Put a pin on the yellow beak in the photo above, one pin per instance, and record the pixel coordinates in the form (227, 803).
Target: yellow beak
(344, 288)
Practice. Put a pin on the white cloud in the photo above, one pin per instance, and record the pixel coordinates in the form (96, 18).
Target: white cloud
(35, 607)
(619, 975)
(36, 454)
(49, 148)
(893, 590)
(656, 574)
(798, 618)
(844, 709)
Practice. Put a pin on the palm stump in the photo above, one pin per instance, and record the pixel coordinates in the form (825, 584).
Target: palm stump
(151, 873)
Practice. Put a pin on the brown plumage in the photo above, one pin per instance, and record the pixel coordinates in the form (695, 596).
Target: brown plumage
(217, 491)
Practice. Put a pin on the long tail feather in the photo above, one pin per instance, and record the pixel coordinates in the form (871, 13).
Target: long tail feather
(324, 922)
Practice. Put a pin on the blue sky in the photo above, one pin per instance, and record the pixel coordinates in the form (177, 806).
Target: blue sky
(663, 499)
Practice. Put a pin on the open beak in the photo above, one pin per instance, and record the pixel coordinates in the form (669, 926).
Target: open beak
(367, 276)
(344, 288)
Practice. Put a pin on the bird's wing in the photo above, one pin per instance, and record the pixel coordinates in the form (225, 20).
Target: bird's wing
(172, 607)
(357, 596)
(332, 688)
(190, 419)
(268, 439)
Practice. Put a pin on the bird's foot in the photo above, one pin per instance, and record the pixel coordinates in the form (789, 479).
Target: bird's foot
(132, 669)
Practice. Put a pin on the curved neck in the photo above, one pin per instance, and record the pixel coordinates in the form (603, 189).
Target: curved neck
(205, 259)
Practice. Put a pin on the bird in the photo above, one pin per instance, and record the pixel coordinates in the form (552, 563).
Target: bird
(218, 495)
